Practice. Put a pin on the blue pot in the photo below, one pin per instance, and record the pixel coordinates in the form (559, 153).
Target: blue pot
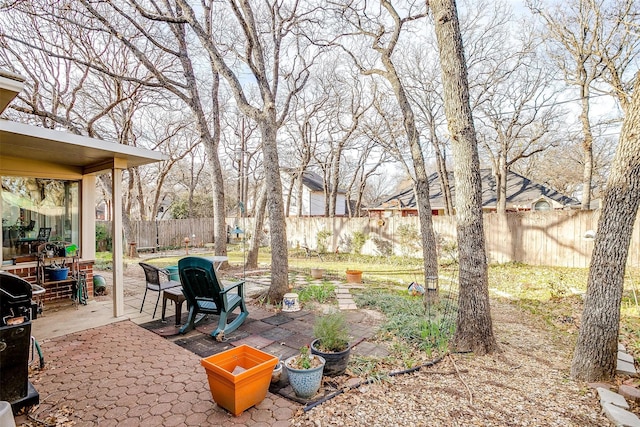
(58, 274)
(305, 382)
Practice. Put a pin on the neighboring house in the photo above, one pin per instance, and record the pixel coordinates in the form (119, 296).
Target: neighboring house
(522, 195)
(48, 194)
(312, 202)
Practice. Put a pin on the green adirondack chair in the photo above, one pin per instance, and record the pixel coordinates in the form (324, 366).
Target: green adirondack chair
(206, 295)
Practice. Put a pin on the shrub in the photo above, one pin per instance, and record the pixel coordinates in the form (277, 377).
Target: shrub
(103, 239)
(322, 240)
(409, 239)
(319, 293)
(357, 241)
(383, 246)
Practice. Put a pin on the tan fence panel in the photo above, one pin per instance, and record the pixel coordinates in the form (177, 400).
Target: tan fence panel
(554, 238)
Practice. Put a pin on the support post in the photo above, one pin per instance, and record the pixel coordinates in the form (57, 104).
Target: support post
(118, 247)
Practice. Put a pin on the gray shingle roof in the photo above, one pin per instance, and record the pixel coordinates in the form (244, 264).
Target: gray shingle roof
(520, 191)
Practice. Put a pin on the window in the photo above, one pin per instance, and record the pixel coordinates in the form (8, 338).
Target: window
(542, 205)
(36, 210)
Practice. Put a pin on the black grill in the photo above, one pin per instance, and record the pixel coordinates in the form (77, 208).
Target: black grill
(16, 311)
(15, 299)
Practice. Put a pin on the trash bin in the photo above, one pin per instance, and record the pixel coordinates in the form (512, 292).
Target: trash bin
(173, 273)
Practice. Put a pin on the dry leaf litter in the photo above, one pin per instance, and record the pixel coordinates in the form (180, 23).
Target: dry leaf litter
(526, 384)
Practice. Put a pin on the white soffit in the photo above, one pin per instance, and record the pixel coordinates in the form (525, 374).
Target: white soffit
(10, 85)
(18, 140)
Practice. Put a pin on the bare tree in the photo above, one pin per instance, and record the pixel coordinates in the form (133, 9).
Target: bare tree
(591, 41)
(72, 95)
(305, 126)
(369, 159)
(516, 114)
(344, 110)
(474, 327)
(425, 93)
(265, 31)
(369, 24)
(595, 355)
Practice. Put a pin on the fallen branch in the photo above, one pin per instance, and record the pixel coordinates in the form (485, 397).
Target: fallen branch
(460, 377)
(464, 371)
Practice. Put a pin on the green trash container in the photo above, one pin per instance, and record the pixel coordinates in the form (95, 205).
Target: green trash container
(173, 273)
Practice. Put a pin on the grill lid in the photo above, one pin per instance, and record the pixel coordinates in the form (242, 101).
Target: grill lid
(15, 293)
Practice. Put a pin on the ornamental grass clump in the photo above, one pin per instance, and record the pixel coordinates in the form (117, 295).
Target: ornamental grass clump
(332, 332)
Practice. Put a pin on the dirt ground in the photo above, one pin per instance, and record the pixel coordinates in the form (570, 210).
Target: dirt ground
(526, 384)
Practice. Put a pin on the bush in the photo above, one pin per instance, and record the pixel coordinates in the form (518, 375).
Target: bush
(357, 241)
(103, 239)
(319, 293)
(383, 246)
(322, 240)
(409, 239)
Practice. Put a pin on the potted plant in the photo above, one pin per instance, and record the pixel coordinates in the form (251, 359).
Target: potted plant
(305, 373)
(239, 378)
(332, 342)
(354, 276)
(317, 272)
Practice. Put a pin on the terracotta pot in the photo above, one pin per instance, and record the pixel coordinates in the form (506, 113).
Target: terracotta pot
(239, 378)
(354, 276)
(317, 273)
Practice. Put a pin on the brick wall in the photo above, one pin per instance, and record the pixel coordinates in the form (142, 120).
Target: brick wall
(54, 291)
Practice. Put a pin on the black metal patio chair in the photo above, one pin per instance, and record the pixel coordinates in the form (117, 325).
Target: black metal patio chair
(158, 279)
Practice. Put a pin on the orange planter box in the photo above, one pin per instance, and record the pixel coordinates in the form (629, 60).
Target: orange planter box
(239, 391)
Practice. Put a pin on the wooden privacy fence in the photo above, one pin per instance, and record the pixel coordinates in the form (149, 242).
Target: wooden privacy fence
(554, 238)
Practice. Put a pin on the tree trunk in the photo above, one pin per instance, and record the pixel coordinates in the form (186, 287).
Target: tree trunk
(212, 142)
(441, 167)
(300, 193)
(254, 249)
(275, 205)
(335, 179)
(287, 205)
(595, 355)
(421, 184)
(587, 149)
(474, 327)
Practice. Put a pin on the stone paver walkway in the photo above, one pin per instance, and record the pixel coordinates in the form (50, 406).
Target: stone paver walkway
(123, 375)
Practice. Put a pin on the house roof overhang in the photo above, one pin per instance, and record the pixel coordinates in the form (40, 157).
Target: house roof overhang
(84, 154)
(26, 145)
(10, 85)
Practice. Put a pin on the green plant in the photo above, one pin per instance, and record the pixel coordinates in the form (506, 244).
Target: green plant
(358, 240)
(406, 319)
(332, 332)
(383, 246)
(368, 367)
(322, 240)
(320, 293)
(304, 360)
(409, 239)
(449, 250)
(103, 239)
